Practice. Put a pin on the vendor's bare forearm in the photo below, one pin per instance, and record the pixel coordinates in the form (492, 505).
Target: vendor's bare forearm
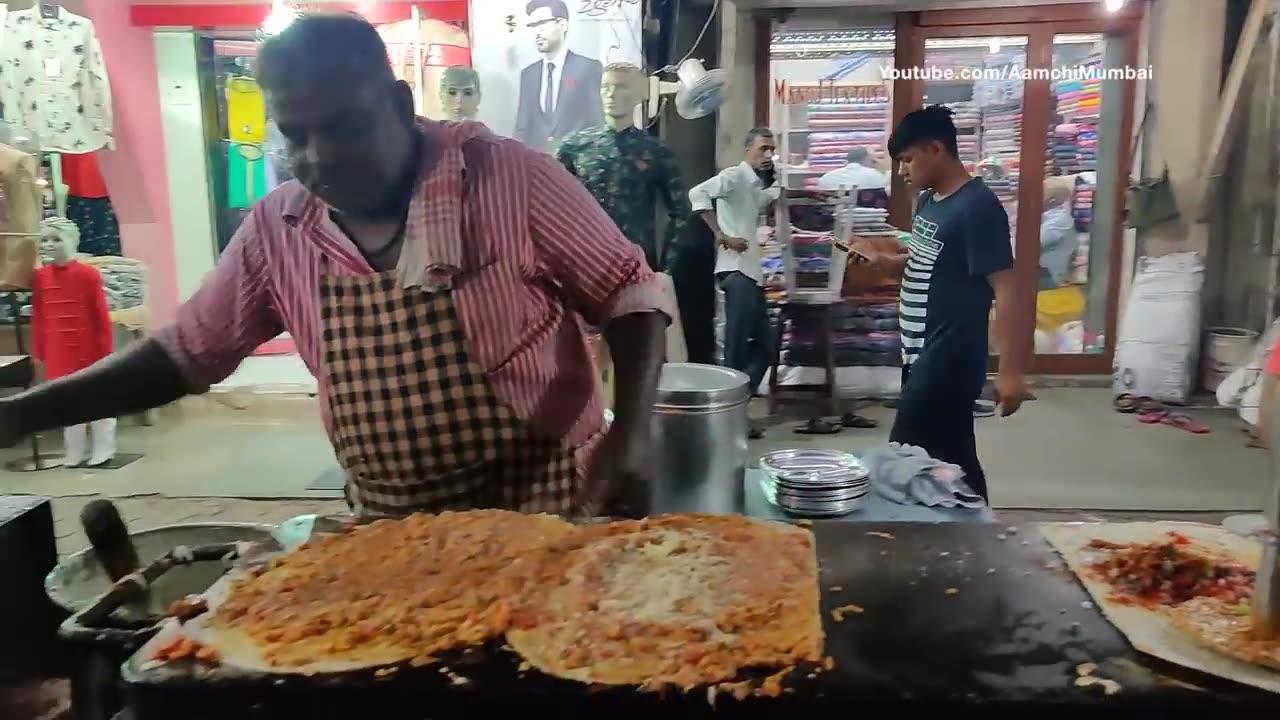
(638, 347)
(140, 378)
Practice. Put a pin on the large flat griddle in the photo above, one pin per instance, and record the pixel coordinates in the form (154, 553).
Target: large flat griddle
(951, 613)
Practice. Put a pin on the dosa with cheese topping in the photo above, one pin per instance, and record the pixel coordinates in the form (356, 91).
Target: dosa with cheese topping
(383, 593)
(682, 601)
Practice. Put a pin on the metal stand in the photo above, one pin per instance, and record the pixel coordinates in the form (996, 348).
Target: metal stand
(1266, 593)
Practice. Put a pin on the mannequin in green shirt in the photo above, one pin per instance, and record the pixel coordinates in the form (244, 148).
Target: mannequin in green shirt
(628, 170)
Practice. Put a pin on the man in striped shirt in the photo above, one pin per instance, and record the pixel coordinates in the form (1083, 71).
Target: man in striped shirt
(436, 279)
(958, 260)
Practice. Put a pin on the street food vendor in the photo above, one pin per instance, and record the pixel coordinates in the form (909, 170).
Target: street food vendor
(436, 279)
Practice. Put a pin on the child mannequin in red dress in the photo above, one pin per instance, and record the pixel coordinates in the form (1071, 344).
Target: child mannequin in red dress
(71, 330)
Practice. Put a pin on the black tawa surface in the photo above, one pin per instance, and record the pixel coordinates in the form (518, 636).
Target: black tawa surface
(952, 614)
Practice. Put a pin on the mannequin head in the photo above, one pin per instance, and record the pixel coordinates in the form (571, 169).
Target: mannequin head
(622, 87)
(460, 92)
(59, 240)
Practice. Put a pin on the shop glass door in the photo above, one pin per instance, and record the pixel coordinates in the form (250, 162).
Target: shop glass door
(1080, 228)
(981, 79)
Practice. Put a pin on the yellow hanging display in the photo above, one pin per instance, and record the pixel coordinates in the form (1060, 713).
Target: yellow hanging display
(246, 111)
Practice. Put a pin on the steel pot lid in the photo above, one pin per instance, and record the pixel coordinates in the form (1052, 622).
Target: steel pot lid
(694, 386)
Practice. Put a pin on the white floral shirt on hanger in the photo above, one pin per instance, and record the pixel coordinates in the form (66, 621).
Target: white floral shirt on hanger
(54, 81)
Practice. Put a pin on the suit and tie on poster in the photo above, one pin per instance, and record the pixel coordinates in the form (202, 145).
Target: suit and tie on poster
(544, 60)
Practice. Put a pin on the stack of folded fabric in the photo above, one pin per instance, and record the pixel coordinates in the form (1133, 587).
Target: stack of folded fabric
(867, 220)
(1087, 159)
(968, 121)
(840, 126)
(830, 150)
(811, 259)
(1082, 211)
(1066, 149)
(863, 335)
(1082, 206)
(771, 265)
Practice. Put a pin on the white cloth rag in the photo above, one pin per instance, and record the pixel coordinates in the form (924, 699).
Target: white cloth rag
(905, 474)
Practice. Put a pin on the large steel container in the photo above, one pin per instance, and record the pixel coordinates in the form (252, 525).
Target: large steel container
(79, 579)
(700, 438)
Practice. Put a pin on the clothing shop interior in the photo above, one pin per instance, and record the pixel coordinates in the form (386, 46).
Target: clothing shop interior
(1121, 138)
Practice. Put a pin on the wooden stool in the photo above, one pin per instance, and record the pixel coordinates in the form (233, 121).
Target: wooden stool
(817, 315)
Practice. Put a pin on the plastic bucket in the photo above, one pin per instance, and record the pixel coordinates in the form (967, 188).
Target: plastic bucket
(1226, 348)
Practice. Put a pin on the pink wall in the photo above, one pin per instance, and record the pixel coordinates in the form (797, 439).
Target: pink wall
(135, 170)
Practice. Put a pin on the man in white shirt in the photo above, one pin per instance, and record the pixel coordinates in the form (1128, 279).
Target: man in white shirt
(859, 172)
(730, 204)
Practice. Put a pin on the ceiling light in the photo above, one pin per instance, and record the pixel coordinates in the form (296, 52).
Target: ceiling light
(281, 16)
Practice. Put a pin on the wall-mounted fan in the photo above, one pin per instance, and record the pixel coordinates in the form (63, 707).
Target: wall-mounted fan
(699, 92)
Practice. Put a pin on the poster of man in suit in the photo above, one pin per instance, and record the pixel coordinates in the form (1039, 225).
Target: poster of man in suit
(544, 59)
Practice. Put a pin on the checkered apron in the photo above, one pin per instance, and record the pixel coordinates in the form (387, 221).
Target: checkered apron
(414, 420)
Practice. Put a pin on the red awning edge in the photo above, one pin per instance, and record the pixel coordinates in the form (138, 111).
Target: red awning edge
(251, 14)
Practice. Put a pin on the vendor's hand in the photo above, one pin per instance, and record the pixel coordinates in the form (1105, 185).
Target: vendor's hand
(618, 478)
(1010, 391)
(734, 244)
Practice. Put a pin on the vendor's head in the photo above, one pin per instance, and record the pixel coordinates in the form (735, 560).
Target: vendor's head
(59, 240)
(1057, 191)
(347, 121)
(924, 146)
(549, 21)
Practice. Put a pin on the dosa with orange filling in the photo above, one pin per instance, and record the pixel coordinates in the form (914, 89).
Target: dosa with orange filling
(386, 592)
(681, 601)
(1226, 628)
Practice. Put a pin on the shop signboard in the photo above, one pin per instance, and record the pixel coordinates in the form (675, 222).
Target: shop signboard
(540, 62)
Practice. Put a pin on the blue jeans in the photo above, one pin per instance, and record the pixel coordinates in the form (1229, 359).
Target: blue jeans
(748, 335)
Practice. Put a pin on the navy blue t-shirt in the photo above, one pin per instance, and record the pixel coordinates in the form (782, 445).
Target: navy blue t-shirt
(956, 242)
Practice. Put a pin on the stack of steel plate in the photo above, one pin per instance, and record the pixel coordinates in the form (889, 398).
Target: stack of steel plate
(814, 483)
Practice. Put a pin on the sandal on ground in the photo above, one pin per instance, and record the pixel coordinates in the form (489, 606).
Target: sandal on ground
(854, 420)
(755, 433)
(818, 426)
(1184, 422)
(1153, 418)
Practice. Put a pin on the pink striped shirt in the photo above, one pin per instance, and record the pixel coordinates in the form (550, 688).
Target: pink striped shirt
(527, 250)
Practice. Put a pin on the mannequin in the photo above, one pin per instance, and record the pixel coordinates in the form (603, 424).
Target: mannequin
(627, 169)
(71, 330)
(629, 172)
(460, 92)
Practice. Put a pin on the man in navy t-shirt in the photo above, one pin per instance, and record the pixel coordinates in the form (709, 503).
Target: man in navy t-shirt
(959, 260)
